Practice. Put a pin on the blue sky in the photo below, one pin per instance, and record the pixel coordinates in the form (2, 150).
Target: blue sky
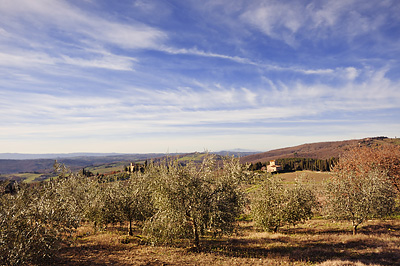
(136, 76)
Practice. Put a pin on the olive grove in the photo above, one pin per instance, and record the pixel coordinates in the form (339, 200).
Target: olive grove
(170, 201)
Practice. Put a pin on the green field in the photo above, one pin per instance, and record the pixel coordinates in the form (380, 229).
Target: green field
(25, 177)
(108, 168)
(193, 157)
(30, 177)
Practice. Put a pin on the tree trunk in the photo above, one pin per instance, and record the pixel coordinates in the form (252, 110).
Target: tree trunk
(196, 234)
(355, 229)
(130, 232)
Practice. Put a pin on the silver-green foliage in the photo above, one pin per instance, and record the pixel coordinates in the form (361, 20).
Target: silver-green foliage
(132, 199)
(22, 233)
(301, 202)
(274, 204)
(193, 199)
(267, 206)
(357, 197)
(101, 201)
(33, 221)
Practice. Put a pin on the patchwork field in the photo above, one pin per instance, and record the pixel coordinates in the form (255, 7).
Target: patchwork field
(25, 177)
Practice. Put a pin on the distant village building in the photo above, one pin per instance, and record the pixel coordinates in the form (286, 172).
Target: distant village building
(135, 167)
(132, 168)
(272, 167)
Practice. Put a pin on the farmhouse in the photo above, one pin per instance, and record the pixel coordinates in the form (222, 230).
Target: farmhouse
(272, 167)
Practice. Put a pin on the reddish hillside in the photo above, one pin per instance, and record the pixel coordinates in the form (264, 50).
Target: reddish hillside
(320, 150)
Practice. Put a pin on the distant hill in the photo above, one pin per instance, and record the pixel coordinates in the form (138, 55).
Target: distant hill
(29, 156)
(77, 161)
(236, 153)
(10, 166)
(12, 163)
(319, 150)
(198, 157)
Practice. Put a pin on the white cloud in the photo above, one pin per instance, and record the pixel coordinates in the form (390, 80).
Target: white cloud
(352, 73)
(50, 14)
(314, 71)
(314, 20)
(329, 12)
(27, 29)
(195, 51)
(55, 83)
(111, 62)
(190, 139)
(202, 103)
(250, 96)
(25, 59)
(246, 61)
(32, 59)
(276, 19)
(209, 105)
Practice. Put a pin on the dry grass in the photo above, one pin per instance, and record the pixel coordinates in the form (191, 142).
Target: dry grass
(318, 179)
(317, 242)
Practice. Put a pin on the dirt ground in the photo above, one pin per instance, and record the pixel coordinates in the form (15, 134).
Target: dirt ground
(315, 242)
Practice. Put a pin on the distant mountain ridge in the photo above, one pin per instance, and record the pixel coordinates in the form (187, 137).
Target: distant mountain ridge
(43, 163)
(319, 150)
(9, 166)
(28, 156)
(11, 163)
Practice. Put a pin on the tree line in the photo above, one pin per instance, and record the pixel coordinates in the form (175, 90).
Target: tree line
(169, 201)
(298, 164)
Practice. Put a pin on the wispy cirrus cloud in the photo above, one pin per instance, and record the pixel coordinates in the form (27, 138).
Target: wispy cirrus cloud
(31, 59)
(112, 62)
(246, 61)
(87, 38)
(92, 31)
(316, 20)
(74, 23)
(203, 103)
(215, 72)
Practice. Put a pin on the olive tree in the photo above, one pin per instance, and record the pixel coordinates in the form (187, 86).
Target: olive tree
(267, 206)
(23, 235)
(100, 201)
(34, 220)
(132, 199)
(356, 197)
(193, 199)
(274, 204)
(301, 202)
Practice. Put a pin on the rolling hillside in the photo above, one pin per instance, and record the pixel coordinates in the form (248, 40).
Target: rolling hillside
(319, 150)
(9, 166)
